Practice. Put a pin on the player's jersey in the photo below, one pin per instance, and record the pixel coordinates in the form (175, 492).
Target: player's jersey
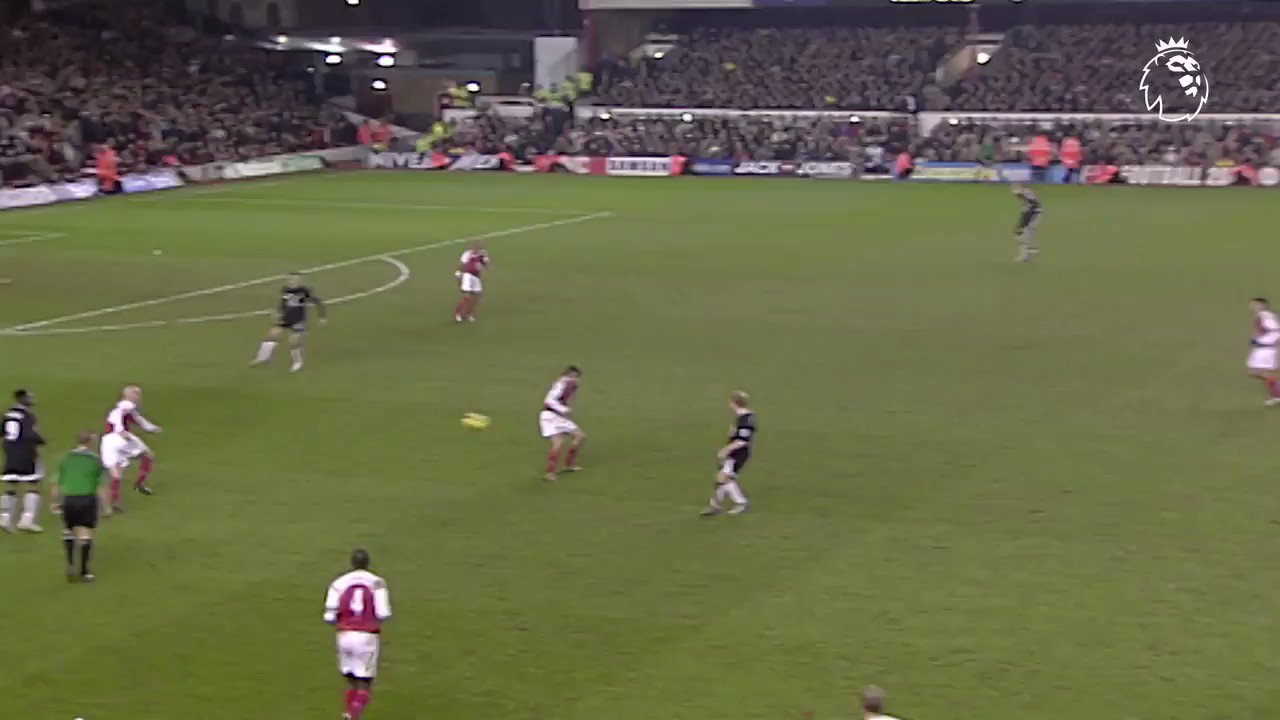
(1030, 203)
(21, 438)
(1266, 329)
(124, 418)
(744, 431)
(294, 302)
(357, 602)
(560, 395)
(474, 262)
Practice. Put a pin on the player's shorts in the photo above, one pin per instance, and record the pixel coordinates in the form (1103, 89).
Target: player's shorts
(471, 283)
(1262, 358)
(1028, 221)
(117, 450)
(293, 323)
(552, 424)
(80, 511)
(358, 654)
(733, 465)
(21, 469)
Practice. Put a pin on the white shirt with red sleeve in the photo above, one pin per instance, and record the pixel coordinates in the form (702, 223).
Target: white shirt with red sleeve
(560, 395)
(474, 262)
(357, 602)
(123, 417)
(1266, 329)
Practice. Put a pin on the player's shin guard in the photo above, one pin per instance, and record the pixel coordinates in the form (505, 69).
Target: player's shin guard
(553, 459)
(735, 492)
(115, 488)
(30, 509)
(359, 701)
(571, 457)
(69, 545)
(8, 501)
(264, 351)
(462, 308)
(1273, 387)
(144, 470)
(86, 550)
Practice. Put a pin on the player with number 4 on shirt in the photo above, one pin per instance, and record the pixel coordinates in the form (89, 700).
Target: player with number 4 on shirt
(357, 604)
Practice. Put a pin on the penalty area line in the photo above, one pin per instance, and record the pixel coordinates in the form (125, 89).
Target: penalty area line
(400, 279)
(22, 238)
(28, 328)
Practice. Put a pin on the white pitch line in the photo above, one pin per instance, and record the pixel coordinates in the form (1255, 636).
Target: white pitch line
(25, 327)
(25, 238)
(398, 281)
(376, 205)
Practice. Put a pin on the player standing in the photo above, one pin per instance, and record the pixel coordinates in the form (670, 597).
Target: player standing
(733, 457)
(22, 468)
(120, 445)
(357, 604)
(1025, 233)
(1263, 361)
(473, 263)
(295, 297)
(79, 489)
(557, 425)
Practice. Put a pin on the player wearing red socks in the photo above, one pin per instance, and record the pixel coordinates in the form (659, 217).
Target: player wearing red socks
(557, 426)
(357, 604)
(1263, 361)
(120, 445)
(473, 263)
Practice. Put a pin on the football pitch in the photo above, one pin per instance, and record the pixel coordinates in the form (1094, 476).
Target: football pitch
(1042, 492)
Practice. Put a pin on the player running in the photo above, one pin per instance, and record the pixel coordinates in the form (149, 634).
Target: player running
(472, 264)
(357, 604)
(120, 445)
(295, 297)
(22, 468)
(1025, 233)
(1263, 362)
(733, 457)
(557, 425)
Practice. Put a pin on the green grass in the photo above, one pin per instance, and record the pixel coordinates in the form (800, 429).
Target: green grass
(1000, 491)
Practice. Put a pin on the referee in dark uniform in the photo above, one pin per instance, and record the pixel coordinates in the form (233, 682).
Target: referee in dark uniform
(81, 493)
(22, 469)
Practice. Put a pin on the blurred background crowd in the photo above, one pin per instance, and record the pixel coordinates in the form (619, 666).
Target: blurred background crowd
(161, 87)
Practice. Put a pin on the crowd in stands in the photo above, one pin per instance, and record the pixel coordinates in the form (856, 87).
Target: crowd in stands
(123, 73)
(1095, 68)
(1036, 68)
(1153, 143)
(840, 137)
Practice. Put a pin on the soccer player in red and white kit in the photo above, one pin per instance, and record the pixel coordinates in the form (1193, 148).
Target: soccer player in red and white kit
(473, 263)
(357, 604)
(120, 445)
(1263, 361)
(557, 425)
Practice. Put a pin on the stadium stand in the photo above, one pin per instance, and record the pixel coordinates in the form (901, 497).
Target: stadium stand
(129, 74)
(1093, 68)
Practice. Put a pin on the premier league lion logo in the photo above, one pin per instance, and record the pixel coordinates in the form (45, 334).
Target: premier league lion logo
(1174, 83)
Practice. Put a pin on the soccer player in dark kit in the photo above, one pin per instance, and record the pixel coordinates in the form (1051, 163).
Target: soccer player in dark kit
(22, 470)
(733, 457)
(1025, 233)
(292, 316)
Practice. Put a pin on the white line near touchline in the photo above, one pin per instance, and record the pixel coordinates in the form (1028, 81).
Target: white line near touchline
(374, 205)
(399, 280)
(25, 328)
(24, 238)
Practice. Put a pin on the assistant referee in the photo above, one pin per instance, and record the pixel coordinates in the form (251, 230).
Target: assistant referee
(81, 492)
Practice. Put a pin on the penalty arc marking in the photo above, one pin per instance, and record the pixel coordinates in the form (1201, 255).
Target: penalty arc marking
(400, 279)
(42, 327)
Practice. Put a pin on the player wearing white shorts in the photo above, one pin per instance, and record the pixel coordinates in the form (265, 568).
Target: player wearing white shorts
(1263, 362)
(557, 425)
(357, 604)
(120, 445)
(470, 266)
